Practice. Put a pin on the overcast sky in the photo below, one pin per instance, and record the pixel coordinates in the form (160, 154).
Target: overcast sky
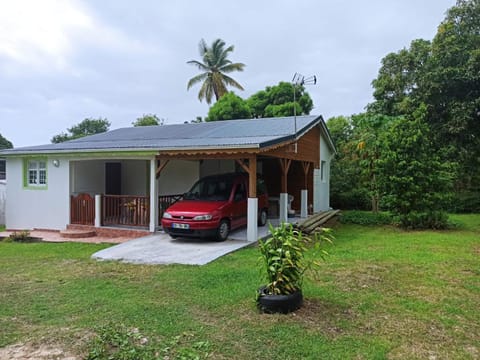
(62, 61)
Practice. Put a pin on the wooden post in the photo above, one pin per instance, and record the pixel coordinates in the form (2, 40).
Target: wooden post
(306, 168)
(285, 166)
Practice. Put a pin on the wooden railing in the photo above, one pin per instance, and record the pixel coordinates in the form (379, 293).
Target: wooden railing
(82, 209)
(125, 210)
(164, 201)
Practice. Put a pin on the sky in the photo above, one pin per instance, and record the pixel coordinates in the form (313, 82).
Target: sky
(62, 61)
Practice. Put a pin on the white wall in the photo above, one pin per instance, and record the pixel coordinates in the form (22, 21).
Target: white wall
(134, 177)
(3, 200)
(88, 177)
(213, 167)
(178, 176)
(30, 208)
(321, 179)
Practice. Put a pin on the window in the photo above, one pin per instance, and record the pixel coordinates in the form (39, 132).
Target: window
(323, 168)
(37, 173)
(3, 174)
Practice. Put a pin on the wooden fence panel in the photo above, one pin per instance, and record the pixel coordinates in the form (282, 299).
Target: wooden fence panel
(82, 209)
(125, 210)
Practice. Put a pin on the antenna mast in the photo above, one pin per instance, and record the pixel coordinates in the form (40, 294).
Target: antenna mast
(299, 79)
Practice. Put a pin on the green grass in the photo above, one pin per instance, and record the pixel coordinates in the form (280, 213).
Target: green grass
(382, 293)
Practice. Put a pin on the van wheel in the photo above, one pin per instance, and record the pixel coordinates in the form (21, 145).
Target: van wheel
(262, 219)
(223, 230)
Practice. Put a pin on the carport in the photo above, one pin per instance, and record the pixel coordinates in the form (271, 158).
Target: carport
(289, 149)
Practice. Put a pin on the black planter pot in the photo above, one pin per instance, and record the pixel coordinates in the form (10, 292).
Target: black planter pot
(283, 304)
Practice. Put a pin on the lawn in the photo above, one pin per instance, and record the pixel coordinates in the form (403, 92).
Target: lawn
(382, 294)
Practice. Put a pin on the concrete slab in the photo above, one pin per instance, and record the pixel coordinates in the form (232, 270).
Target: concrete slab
(263, 231)
(160, 248)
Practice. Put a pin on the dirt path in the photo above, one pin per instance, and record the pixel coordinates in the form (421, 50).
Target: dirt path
(30, 352)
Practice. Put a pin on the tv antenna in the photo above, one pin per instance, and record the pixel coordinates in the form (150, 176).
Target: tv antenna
(299, 80)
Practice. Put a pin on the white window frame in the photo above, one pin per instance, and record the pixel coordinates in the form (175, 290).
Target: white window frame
(36, 173)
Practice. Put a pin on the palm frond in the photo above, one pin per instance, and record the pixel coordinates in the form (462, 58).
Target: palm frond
(202, 47)
(206, 91)
(232, 67)
(231, 82)
(196, 79)
(199, 65)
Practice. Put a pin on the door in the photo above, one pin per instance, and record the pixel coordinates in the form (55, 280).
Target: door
(113, 178)
(239, 205)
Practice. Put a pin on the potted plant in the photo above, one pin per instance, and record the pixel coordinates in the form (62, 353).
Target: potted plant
(285, 264)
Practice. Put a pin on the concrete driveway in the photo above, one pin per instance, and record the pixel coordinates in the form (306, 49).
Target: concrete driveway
(161, 249)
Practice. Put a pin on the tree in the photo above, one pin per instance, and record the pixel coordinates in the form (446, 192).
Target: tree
(346, 189)
(214, 66)
(416, 182)
(4, 143)
(399, 79)
(445, 76)
(229, 107)
(369, 131)
(452, 91)
(148, 120)
(276, 101)
(87, 127)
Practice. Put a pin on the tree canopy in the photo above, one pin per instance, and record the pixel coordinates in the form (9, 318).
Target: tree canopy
(4, 143)
(214, 67)
(278, 100)
(147, 120)
(88, 126)
(229, 107)
(274, 101)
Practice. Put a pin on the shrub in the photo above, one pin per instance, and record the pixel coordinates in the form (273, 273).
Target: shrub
(21, 236)
(424, 220)
(466, 202)
(283, 256)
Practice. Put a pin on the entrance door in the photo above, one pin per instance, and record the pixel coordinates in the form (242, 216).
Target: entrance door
(113, 178)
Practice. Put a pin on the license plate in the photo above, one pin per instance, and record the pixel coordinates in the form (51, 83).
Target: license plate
(180, 226)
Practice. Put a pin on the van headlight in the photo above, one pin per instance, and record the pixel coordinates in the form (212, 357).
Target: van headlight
(167, 215)
(203, 217)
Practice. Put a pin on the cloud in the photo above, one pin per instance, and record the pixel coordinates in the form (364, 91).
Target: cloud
(43, 36)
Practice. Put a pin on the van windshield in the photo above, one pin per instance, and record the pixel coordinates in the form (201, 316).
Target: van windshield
(210, 189)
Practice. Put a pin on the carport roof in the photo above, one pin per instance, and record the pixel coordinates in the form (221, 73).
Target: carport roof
(231, 134)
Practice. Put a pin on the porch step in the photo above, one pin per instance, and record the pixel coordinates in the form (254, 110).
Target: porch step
(76, 234)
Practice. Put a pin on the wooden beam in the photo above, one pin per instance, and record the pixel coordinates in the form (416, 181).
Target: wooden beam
(306, 168)
(161, 163)
(243, 164)
(251, 169)
(232, 154)
(285, 166)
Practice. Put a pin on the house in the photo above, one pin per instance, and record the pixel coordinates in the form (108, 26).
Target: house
(129, 176)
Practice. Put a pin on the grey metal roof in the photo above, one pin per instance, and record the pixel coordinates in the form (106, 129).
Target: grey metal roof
(251, 133)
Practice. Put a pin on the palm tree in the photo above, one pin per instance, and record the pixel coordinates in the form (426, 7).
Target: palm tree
(214, 66)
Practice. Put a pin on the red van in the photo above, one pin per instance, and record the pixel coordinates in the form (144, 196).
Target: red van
(215, 205)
